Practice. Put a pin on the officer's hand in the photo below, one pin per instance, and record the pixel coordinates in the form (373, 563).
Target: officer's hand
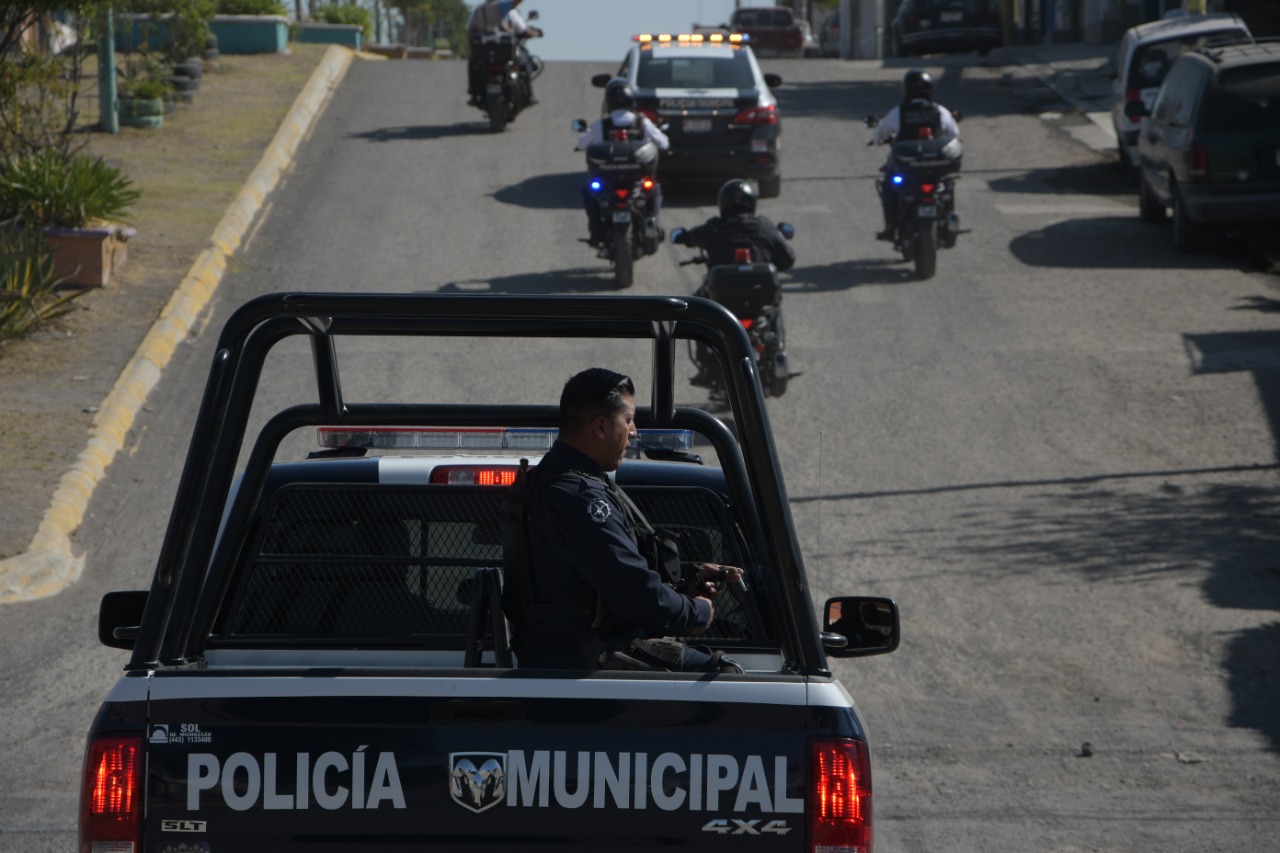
(711, 608)
(717, 575)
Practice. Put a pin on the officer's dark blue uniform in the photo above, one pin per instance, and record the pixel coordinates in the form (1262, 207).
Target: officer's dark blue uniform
(587, 570)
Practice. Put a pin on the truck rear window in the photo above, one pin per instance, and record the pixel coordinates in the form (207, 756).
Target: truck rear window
(362, 562)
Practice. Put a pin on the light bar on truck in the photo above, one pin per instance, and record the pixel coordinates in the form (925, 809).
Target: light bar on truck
(691, 38)
(478, 438)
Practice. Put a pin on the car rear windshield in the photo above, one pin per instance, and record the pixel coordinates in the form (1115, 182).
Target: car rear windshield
(696, 72)
(1151, 62)
(1246, 98)
(763, 18)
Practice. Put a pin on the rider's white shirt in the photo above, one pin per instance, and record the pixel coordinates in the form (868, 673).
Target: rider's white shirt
(624, 118)
(891, 123)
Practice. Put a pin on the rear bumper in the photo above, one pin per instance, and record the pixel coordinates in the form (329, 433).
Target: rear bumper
(956, 38)
(719, 164)
(1234, 208)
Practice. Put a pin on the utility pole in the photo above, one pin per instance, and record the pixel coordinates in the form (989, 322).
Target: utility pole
(108, 120)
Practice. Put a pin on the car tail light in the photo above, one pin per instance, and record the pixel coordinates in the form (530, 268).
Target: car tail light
(647, 185)
(474, 475)
(840, 797)
(1133, 95)
(651, 115)
(111, 799)
(756, 115)
(1198, 161)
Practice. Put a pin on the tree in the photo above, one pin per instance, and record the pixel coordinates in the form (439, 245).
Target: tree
(40, 85)
(427, 22)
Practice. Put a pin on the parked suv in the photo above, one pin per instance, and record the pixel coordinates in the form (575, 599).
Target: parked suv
(1146, 54)
(1211, 147)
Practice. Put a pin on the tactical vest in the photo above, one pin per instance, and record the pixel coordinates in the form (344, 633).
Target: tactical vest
(518, 603)
(915, 116)
(615, 133)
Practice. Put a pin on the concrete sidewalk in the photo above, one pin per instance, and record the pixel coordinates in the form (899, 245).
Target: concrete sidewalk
(1078, 74)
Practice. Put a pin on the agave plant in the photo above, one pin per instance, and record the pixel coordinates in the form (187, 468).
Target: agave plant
(49, 189)
(28, 286)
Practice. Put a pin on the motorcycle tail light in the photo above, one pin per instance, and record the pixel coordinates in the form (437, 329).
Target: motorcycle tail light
(927, 189)
(742, 256)
(622, 192)
(747, 324)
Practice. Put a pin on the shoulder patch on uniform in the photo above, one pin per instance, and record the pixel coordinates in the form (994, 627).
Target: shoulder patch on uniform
(599, 510)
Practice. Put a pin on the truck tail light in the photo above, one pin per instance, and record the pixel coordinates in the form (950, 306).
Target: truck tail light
(839, 797)
(474, 475)
(1133, 95)
(756, 115)
(111, 799)
(1198, 161)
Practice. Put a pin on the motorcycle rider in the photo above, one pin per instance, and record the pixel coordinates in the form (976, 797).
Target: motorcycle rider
(620, 100)
(917, 117)
(493, 16)
(737, 227)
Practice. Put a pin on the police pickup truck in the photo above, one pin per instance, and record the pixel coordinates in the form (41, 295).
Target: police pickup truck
(321, 662)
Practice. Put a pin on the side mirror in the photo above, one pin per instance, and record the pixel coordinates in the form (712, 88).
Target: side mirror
(772, 80)
(578, 125)
(957, 115)
(119, 616)
(601, 80)
(1136, 109)
(867, 625)
(871, 120)
(788, 230)
(533, 16)
(677, 235)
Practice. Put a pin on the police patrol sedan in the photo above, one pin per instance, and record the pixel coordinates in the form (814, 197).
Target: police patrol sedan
(718, 108)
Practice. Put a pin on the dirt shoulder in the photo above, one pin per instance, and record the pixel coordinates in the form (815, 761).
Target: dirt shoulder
(188, 173)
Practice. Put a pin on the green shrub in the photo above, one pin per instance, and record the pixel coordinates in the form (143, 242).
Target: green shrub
(147, 89)
(252, 7)
(184, 22)
(28, 287)
(339, 13)
(47, 189)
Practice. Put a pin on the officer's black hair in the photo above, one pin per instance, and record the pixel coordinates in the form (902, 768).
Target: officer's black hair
(592, 393)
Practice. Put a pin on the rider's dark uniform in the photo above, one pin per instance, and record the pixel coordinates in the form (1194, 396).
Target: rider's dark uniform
(591, 587)
(721, 237)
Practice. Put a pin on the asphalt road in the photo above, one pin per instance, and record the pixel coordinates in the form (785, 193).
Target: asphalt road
(1059, 455)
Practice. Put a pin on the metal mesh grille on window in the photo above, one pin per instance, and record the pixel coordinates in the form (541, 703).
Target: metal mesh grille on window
(398, 562)
(369, 562)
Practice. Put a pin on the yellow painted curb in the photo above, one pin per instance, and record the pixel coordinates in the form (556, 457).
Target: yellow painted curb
(49, 565)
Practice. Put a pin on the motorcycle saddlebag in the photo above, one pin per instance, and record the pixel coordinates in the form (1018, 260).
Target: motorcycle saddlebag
(625, 161)
(746, 289)
(494, 48)
(928, 158)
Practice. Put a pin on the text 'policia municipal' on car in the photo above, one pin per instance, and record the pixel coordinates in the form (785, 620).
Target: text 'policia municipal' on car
(321, 662)
(709, 92)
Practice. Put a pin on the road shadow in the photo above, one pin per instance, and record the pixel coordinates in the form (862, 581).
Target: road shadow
(838, 100)
(1101, 178)
(420, 132)
(597, 279)
(561, 191)
(846, 275)
(1118, 243)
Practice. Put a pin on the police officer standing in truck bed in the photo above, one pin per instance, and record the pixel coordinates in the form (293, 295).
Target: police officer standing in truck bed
(589, 591)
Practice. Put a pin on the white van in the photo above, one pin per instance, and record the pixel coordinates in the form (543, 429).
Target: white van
(1147, 51)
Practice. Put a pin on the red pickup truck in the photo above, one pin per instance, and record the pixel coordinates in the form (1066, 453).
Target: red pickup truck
(774, 30)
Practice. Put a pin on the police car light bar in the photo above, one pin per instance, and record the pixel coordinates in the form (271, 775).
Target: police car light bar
(477, 438)
(692, 38)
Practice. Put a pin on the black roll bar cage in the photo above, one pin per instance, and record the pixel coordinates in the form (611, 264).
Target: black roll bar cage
(184, 568)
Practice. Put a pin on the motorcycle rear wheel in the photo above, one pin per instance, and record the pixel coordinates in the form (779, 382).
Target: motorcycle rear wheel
(496, 106)
(926, 252)
(623, 259)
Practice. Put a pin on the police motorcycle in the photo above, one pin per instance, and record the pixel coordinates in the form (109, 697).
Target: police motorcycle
(503, 60)
(750, 289)
(922, 172)
(623, 187)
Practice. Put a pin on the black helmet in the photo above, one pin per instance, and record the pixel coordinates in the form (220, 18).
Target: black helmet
(618, 94)
(737, 197)
(917, 85)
